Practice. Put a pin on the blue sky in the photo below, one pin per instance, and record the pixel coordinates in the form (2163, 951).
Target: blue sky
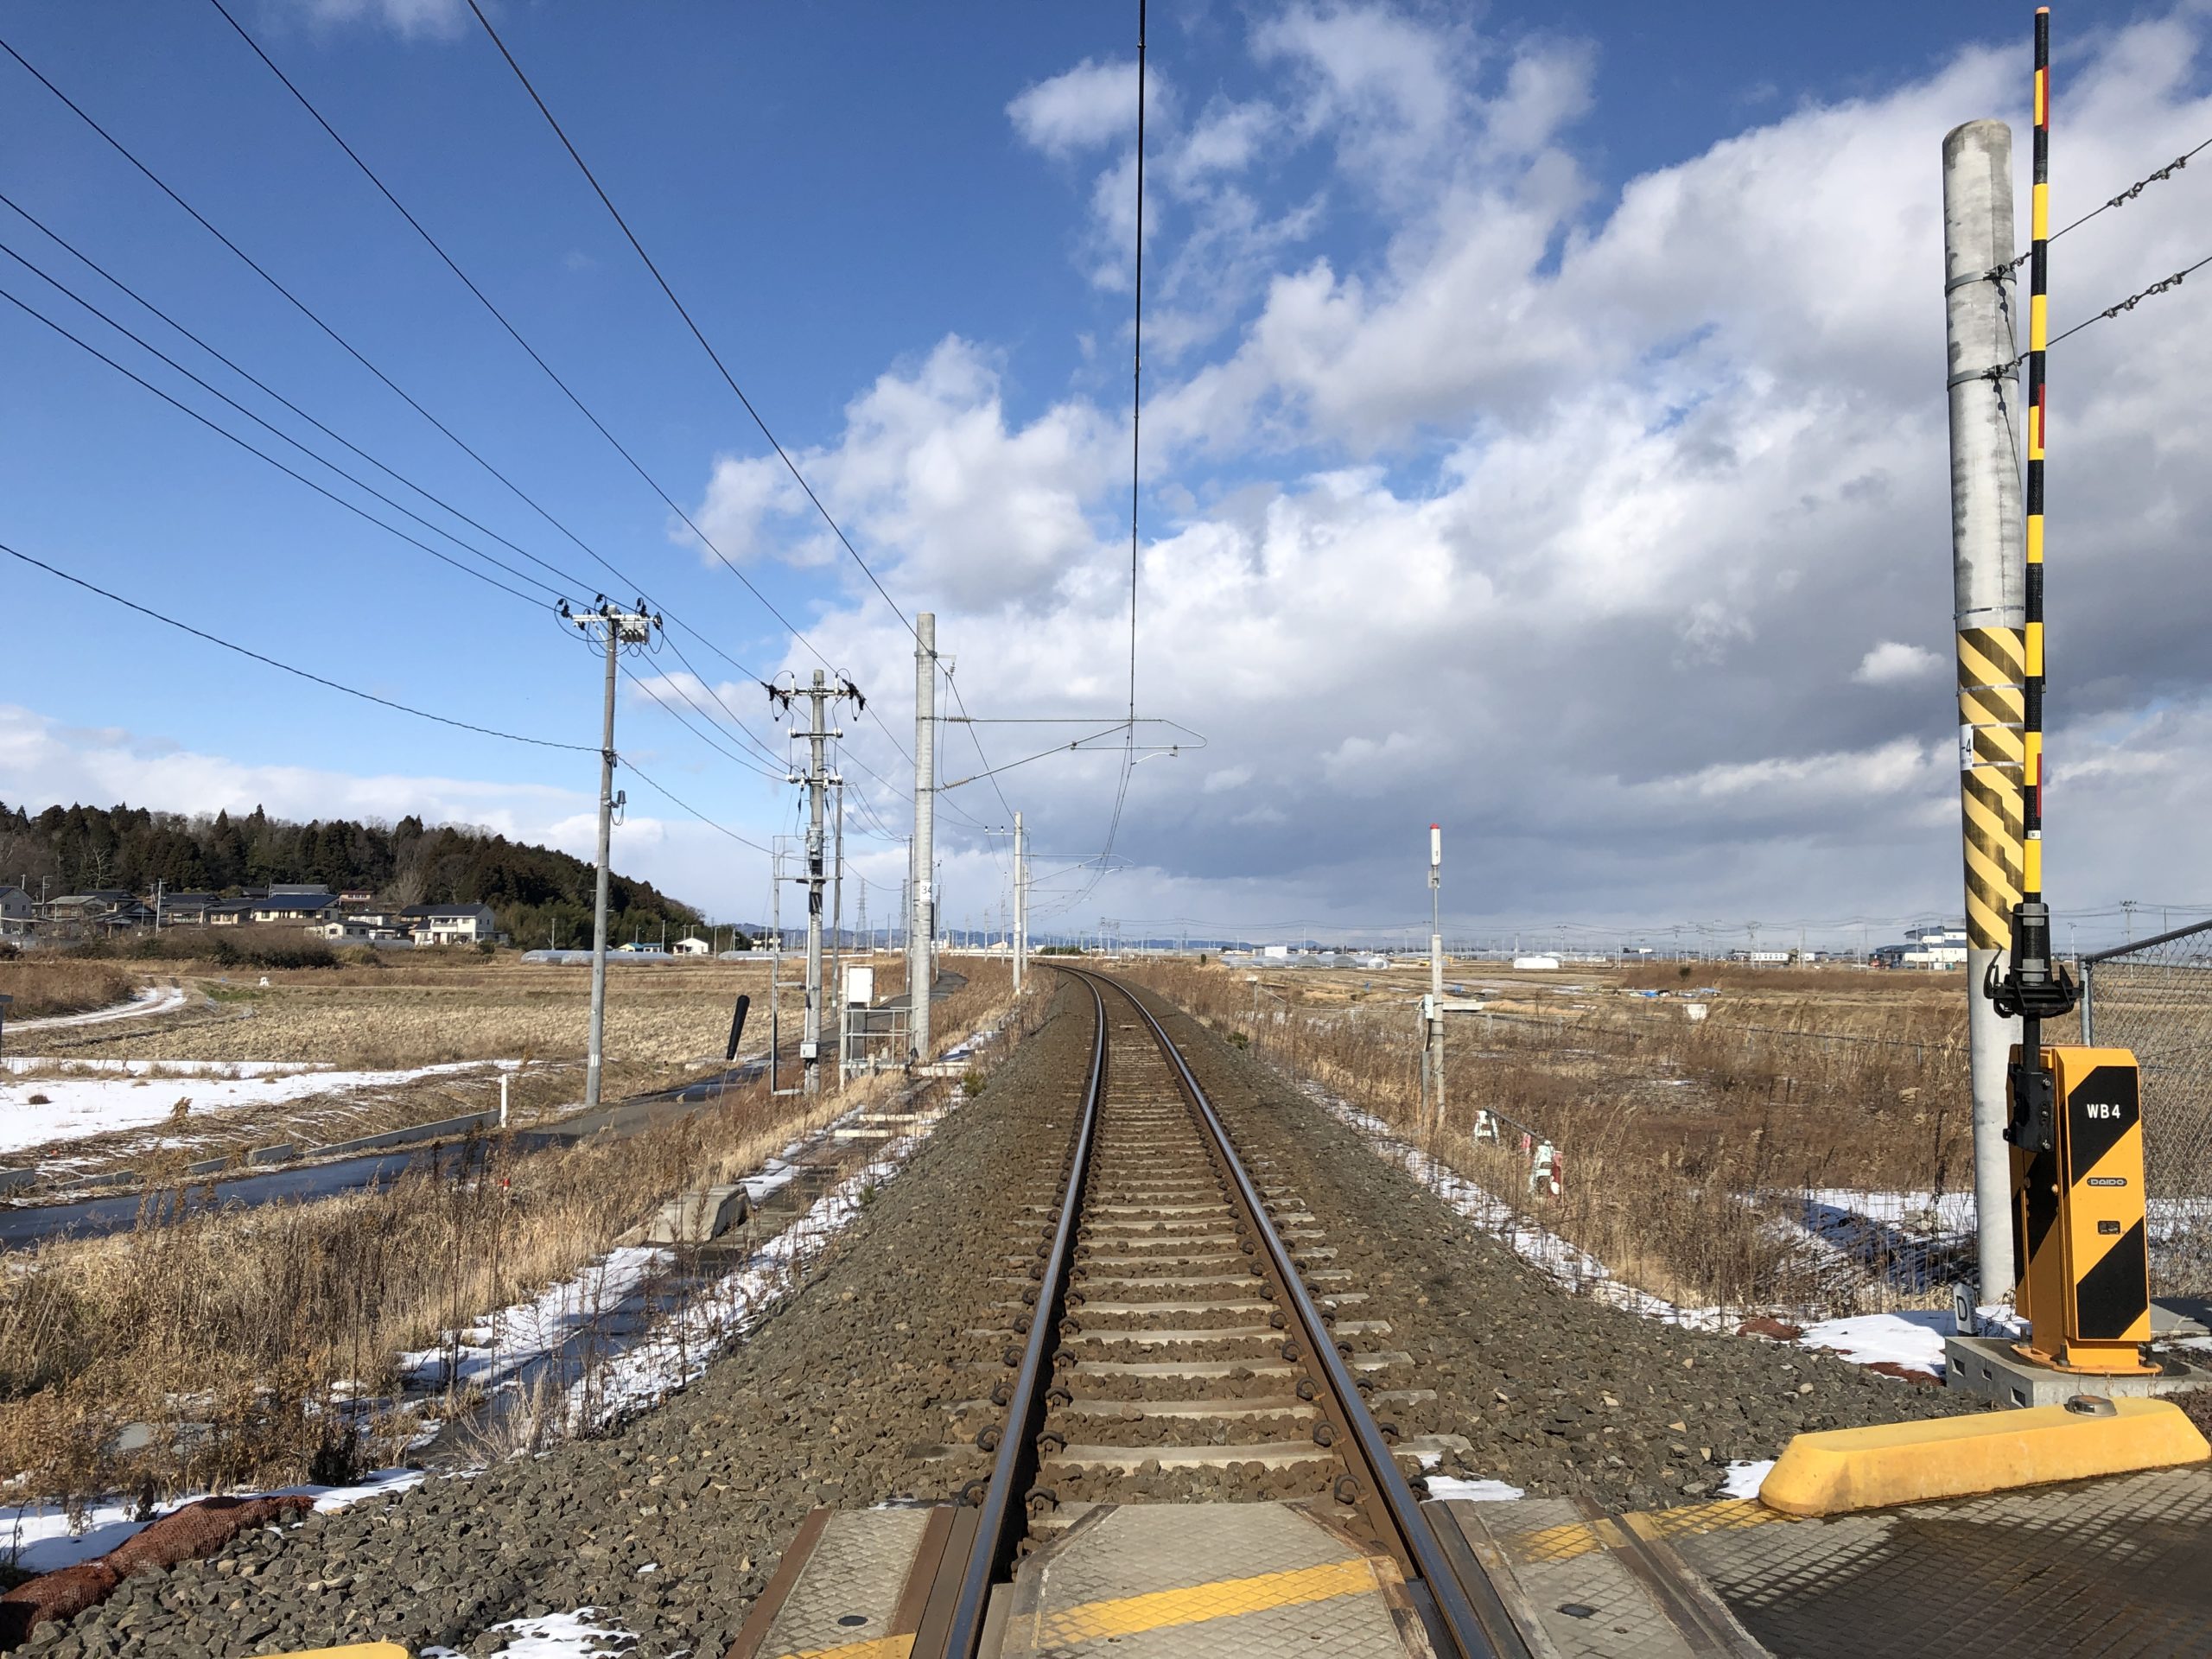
(917, 277)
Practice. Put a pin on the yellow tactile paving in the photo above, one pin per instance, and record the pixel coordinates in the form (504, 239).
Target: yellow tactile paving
(1162, 1609)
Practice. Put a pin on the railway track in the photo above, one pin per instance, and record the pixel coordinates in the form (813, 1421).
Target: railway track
(1176, 1337)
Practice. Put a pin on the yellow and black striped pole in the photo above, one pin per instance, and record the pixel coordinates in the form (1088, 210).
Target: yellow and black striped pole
(2038, 340)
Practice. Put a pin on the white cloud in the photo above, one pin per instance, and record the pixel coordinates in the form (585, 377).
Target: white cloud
(1089, 106)
(1562, 518)
(443, 18)
(1893, 664)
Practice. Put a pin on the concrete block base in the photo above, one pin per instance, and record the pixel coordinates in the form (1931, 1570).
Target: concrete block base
(1987, 1366)
(698, 1216)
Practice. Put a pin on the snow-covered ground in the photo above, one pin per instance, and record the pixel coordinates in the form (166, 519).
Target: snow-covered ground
(34, 1112)
(496, 1348)
(38, 1537)
(155, 999)
(505, 1348)
(1911, 1339)
(1557, 1260)
(675, 1353)
(17, 1064)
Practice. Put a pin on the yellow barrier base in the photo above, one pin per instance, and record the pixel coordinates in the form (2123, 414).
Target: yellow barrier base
(356, 1651)
(1846, 1469)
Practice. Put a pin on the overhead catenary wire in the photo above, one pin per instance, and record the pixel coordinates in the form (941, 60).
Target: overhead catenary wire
(287, 668)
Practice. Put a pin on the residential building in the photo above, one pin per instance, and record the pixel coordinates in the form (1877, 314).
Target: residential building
(101, 909)
(692, 947)
(232, 912)
(1926, 947)
(356, 930)
(16, 910)
(357, 898)
(296, 904)
(450, 924)
(184, 908)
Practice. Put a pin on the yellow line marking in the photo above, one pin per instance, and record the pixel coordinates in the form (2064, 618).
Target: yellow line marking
(1577, 1538)
(1223, 1598)
(876, 1647)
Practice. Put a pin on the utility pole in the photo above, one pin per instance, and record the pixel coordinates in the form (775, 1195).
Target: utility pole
(1021, 905)
(818, 778)
(1433, 1058)
(835, 1002)
(616, 628)
(1989, 591)
(920, 971)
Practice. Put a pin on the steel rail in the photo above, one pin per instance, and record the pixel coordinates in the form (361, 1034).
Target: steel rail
(1415, 1542)
(1004, 1509)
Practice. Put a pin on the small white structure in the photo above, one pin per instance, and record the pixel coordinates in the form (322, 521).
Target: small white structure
(691, 947)
(1536, 964)
(1275, 952)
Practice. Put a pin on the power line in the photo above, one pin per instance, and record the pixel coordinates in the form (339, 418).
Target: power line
(713, 356)
(2124, 197)
(345, 344)
(660, 789)
(350, 691)
(500, 316)
(2134, 300)
(444, 558)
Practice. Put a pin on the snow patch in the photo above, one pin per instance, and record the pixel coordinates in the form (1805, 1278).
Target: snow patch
(515, 1337)
(74, 1107)
(558, 1635)
(1912, 1339)
(1475, 1491)
(39, 1538)
(1745, 1477)
(155, 999)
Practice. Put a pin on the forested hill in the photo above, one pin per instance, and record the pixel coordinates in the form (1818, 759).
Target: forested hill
(535, 890)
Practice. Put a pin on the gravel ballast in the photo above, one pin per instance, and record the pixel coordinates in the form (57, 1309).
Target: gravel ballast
(863, 1389)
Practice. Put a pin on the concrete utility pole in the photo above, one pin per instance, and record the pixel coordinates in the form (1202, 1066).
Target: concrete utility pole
(818, 778)
(920, 971)
(616, 629)
(1989, 584)
(1435, 1032)
(1021, 905)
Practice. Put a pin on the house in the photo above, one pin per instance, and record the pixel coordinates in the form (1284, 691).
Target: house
(16, 910)
(692, 946)
(88, 906)
(232, 912)
(106, 909)
(356, 930)
(450, 924)
(356, 898)
(184, 908)
(296, 904)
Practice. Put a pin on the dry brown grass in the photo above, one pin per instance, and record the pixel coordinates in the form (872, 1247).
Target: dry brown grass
(1666, 1126)
(49, 985)
(234, 1337)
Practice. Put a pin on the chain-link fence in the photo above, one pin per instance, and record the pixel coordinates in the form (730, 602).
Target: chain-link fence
(2155, 997)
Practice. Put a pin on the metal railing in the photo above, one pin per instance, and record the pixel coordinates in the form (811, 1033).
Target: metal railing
(2154, 996)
